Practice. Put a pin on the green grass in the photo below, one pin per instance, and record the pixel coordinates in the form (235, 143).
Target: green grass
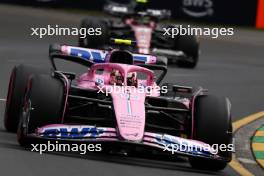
(258, 139)
(259, 154)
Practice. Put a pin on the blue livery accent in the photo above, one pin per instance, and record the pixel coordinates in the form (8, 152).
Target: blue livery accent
(172, 143)
(92, 55)
(73, 132)
(140, 58)
(99, 56)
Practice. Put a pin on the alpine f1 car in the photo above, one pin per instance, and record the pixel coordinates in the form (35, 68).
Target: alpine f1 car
(138, 23)
(119, 101)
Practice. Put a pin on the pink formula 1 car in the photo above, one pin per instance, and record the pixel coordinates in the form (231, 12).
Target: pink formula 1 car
(119, 101)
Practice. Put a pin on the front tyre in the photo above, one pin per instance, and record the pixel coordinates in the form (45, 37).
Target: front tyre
(213, 126)
(100, 37)
(189, 45)
(43, 105)
(16, 89)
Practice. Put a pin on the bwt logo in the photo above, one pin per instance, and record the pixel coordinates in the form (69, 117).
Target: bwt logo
(198, 8)
(95, 56)
(73, 132)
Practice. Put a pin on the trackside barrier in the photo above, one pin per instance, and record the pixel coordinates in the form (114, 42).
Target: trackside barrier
(260, 15)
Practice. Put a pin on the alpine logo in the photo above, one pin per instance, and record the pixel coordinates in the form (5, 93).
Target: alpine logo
(198, 8)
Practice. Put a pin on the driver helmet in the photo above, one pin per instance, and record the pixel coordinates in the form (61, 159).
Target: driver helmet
(116, 78)
(132, 79)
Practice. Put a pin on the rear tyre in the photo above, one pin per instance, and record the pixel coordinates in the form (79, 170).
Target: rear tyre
(213, 126)
(97, 40)
(43, 105)
(190, 46)
(16, 90)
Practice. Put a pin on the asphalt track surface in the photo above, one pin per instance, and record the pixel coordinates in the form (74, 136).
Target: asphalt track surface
(231, 67)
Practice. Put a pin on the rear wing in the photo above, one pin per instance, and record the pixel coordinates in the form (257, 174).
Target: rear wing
(88, 56)
(119, 9)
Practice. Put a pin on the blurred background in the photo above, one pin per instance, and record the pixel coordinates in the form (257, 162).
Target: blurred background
(246, 13)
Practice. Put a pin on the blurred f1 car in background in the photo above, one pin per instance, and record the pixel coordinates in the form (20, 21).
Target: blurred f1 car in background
(136, 22)
(58, 106)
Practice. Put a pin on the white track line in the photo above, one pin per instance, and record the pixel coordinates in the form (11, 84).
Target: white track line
(1, 99)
